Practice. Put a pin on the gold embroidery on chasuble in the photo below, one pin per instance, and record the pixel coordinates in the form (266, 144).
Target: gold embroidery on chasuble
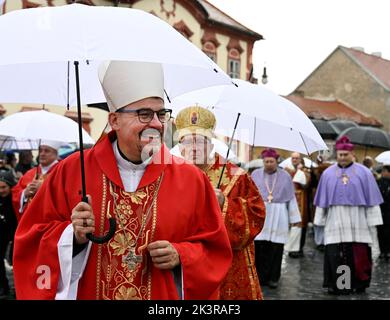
(214, 175)
(230, 177)
(125, 266)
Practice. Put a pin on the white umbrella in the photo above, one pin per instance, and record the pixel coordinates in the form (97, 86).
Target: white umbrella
(38, 43)
(43, 45)
(219, 147)
(42, 125)
(10, 143)
(255, 163)
(266, 119)
(384, 158)
(308, 163)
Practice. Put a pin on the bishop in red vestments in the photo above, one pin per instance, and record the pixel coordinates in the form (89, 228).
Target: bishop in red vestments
(170, 241)
(242, 206)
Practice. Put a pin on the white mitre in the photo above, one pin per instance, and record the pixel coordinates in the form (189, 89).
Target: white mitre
(53, 144)
(125, 82)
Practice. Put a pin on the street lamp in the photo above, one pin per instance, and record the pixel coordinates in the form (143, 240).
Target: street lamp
(264, 77)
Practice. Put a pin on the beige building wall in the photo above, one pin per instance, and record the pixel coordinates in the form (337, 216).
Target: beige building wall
(339, 77)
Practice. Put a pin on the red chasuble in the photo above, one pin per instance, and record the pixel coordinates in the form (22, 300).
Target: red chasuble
(22, 184)
(174, 202)
(244, 215)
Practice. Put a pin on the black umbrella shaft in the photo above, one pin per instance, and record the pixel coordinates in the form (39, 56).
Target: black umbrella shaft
(83, 188)
(304, 143)
(227, 155)
(39, 152)
(112, 221)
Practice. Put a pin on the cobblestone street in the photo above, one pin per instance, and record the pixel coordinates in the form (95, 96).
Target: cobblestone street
(302, 278)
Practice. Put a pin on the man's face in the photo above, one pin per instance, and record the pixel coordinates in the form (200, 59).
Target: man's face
(47, 155)
(295, 159)
(270, 164)
(5, 189)
(135, 138)
(344, 157)
(196, 148)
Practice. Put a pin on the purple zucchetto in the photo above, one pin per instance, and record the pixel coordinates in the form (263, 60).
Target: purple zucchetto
(344, 143)
(269, 153)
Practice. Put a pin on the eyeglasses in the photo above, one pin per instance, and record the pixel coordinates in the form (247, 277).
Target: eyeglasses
(199, 141)
(147, 115)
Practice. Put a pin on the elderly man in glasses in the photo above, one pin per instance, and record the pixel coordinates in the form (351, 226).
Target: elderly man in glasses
(241, 204)
(29, 184)
(170, 241)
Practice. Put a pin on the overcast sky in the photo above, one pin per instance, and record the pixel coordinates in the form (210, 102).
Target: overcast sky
(300, 34)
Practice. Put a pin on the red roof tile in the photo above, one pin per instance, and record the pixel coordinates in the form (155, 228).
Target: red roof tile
(331, 110)
(375, 65)
(219, 16)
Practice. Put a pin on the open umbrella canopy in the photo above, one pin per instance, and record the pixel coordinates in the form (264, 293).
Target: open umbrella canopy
(330, 129)
(254, 164)
(56, 51)
(368, 136)
(341, 125)
(288, 164)
(45, 42)
(42, 125)
(266, 119)
(324, 128)
(11, 143)
(384, 158)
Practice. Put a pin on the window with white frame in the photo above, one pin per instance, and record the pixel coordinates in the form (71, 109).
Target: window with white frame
(234, 68)
(212, 56)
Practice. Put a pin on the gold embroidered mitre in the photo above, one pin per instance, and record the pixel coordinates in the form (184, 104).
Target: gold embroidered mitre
(195, 120)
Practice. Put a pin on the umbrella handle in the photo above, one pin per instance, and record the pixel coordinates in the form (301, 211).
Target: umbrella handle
(107, 236)
(112, 222)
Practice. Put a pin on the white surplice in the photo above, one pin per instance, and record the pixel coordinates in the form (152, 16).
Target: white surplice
(348, 223)
(277, 220)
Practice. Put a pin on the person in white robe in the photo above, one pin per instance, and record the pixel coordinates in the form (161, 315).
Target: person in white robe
(277, 190)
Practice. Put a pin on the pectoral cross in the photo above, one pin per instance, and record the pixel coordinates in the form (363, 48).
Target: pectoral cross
(270, 197)
(132, 259)
(344, 179)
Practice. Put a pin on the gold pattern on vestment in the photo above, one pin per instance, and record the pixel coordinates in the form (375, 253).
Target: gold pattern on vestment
(270, 191)
(344, 177)
(124, 262)
(101, 230)
(227, 182)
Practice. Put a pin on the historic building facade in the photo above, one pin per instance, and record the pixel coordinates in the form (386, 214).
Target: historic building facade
(358, 78)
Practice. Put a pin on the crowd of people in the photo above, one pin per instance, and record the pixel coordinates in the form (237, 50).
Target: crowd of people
(196, 227)
(20, 180)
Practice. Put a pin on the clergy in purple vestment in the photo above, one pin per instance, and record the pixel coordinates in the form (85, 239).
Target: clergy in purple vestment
(347, 206)
(277, 190)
